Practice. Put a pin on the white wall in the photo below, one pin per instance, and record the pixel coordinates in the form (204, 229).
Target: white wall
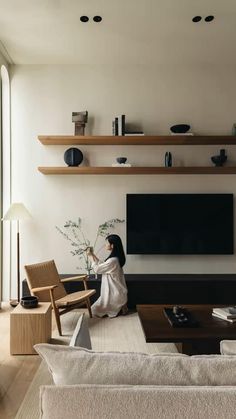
(43, 98)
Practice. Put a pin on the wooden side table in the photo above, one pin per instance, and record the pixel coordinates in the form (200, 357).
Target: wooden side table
(28, 327)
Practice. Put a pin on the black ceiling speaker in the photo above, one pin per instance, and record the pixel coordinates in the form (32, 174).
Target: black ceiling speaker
(73, 157)
(209, 18)
(196, 19)
(97, 19)
(84, 19)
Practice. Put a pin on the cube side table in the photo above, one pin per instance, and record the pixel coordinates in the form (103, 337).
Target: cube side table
(28, 327)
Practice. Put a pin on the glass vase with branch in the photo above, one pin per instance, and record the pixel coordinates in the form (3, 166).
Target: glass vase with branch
(74, 233)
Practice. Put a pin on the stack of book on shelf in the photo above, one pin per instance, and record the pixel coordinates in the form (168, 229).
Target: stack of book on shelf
(132, 133)
(118, 127)
(225, 313)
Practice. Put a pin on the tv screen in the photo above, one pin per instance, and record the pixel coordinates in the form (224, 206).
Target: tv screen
(180, 224)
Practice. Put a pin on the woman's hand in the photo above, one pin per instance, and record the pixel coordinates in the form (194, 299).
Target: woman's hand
(89, 251)
(90, 254)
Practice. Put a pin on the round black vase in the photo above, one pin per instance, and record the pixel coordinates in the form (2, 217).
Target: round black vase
(73, 156)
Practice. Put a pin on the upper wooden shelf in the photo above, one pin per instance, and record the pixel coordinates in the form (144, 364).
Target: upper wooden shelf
(136, 170)
(137, 140)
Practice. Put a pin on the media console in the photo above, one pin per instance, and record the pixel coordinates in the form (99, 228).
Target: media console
(168, 288)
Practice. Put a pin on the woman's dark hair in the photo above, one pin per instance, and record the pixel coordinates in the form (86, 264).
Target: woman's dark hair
(117, 251)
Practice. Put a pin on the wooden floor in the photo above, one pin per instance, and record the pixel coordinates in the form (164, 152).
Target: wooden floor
(16, 372)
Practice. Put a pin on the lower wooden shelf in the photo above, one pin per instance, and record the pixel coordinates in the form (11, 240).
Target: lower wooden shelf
(135, 170)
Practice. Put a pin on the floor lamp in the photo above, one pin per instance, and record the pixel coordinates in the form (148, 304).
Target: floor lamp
(17, 212)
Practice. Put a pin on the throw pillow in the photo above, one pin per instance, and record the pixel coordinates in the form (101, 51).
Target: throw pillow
(228, 347)
(79, 366)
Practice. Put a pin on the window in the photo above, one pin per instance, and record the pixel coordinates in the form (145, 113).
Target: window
(6, 182)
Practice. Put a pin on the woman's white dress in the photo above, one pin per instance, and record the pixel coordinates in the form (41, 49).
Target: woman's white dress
(113, 288)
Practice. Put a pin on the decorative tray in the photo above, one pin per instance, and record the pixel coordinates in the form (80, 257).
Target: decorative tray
(183, 318)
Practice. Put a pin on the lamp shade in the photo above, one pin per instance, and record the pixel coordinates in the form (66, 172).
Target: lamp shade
(17, 211)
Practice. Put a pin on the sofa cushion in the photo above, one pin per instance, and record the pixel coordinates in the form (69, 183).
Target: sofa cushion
(79, 366)
(81, 336)
(137, 402)
(228, 347)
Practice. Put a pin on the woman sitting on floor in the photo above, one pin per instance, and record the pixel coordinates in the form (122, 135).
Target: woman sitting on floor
(113, 298)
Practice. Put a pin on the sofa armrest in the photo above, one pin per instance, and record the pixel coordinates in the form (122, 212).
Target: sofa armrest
(228, 347)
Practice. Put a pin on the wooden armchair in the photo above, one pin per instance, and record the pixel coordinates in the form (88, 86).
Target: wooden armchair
(44, 282)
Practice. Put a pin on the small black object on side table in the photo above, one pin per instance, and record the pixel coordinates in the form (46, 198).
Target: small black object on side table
(29, 301)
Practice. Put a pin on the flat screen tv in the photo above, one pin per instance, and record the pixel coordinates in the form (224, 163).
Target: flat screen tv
(180, 224)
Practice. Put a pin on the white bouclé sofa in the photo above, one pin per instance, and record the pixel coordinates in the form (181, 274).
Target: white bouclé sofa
(119, 385)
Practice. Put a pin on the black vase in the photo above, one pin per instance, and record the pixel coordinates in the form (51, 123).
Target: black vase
(220, 159)
(168, 159)
(73, 157)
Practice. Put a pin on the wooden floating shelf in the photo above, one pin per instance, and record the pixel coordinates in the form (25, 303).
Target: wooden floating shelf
(137, 140)
(85, 170)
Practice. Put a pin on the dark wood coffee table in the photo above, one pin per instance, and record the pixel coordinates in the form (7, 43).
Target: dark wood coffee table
(204, 339)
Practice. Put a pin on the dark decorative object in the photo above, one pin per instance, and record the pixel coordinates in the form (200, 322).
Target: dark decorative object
(29, 302)
(84, 19)
(209, 18)
(73, 157)
(168, 159)
(220, 159)
(80, 119)
(180, 128)
(180, 317)
(97, 19)
(121, 160)
(196, 19)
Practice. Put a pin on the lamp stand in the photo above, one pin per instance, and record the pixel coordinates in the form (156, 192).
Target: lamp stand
(14, 302)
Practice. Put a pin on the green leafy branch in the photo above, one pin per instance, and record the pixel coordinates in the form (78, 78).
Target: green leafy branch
(72, 231)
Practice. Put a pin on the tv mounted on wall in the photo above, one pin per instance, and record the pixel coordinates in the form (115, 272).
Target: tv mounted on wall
(178, 224)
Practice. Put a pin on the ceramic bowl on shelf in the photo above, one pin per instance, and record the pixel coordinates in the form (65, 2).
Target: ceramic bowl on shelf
(121, 160)
(180, 128)
(29, 301)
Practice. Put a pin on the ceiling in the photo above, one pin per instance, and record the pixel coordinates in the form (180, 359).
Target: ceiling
(131, 32)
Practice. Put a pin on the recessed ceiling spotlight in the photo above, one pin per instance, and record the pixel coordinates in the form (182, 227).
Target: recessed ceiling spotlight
(196, 19)
(209, 18)
(97, 19)
(84, 19)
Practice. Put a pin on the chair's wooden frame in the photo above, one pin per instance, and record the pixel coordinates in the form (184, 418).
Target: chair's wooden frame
(68, 308)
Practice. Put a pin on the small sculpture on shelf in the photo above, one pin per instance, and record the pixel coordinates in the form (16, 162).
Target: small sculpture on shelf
(168, 159)
(80, 119)
(121, 162)
(220, 159)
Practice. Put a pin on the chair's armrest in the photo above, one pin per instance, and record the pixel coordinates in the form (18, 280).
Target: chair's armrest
(75, 278)
(48, 288)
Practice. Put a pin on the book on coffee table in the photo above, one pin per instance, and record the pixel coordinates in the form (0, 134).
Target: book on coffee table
(225, 312)
(223, 318)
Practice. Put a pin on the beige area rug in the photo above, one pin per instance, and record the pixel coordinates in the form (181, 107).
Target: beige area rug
(123, 333)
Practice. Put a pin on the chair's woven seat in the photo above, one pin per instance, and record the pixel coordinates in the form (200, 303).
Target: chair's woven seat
(75, 297)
